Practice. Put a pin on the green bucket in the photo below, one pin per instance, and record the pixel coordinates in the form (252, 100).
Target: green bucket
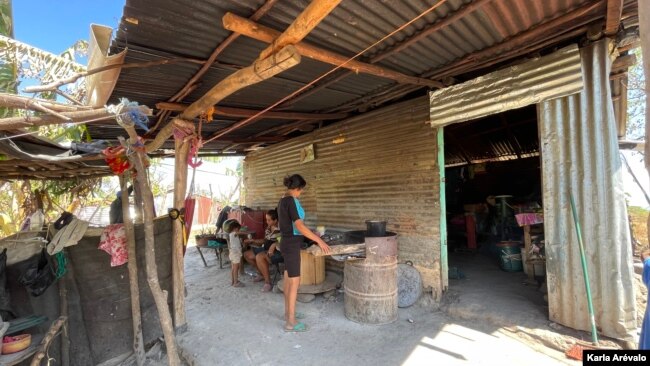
(509, 253)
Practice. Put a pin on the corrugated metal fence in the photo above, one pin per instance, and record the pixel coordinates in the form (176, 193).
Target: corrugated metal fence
(386, 168)
(580, 155)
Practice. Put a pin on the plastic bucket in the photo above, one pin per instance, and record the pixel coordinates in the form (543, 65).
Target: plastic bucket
(510, 256)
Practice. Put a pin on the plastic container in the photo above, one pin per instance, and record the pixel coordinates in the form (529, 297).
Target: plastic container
(15, 343)
(509, 253)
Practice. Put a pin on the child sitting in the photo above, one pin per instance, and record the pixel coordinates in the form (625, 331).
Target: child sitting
(235, 253)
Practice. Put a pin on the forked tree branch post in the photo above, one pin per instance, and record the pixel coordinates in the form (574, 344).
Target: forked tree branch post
(159, 295)
(132, 264)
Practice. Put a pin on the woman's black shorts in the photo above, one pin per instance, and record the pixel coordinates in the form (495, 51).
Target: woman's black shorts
(291, 252)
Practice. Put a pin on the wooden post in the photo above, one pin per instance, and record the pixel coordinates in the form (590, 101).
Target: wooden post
(132, 264)
(178, 277)
(614, 12)
(260, 70)
(644, 29)
(262, 33)
(307, 20)
(159, 295)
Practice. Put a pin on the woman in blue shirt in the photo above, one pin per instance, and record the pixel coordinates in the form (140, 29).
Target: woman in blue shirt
(293, 231)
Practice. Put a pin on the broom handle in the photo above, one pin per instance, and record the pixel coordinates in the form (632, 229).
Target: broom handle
(594, 334)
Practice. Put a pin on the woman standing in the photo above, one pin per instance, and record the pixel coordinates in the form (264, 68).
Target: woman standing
(293, 230)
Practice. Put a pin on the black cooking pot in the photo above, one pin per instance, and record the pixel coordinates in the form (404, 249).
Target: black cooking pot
(375, 228)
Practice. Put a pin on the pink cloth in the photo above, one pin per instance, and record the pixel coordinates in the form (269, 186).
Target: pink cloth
(113, 242)
(529, 218)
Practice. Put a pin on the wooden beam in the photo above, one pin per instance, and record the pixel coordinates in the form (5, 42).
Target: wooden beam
(22, 102)
(94, 115)
(431, 29)
(242, 112)
(308, 19)
(260, 70)
(623, 63)
(193, 82)
(258, 140)
(613, 20)
(265, 34)
(217, 51)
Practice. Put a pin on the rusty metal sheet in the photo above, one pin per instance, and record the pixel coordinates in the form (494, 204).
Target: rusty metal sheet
(580, 155)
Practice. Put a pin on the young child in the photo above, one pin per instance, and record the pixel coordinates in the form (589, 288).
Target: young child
(234, 252)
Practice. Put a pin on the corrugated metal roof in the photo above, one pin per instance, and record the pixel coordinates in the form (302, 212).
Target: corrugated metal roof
(184, 28)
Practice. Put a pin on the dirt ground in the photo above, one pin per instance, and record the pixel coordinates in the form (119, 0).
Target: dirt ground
(475, 325)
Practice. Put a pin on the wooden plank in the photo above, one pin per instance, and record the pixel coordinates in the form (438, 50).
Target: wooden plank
(336, 249)
(243, 112)
(265, 34)
(260, 70)
(307, 20)
(613, 20)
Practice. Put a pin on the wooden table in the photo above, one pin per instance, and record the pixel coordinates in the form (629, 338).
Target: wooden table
(526, 220)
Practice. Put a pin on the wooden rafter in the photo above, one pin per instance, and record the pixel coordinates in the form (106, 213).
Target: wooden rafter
(614, 13)
(260, 70)
(304, 23)
(262, 33)
(193, 82)
(242, 112)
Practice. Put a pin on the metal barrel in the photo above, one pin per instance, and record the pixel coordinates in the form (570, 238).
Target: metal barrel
(371, 290)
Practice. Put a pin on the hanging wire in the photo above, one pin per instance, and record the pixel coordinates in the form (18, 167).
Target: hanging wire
(258, 114)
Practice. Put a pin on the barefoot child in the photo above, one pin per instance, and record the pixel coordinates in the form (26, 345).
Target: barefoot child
(234, 252)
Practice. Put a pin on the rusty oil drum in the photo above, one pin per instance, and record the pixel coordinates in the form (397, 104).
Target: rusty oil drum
(371, 291)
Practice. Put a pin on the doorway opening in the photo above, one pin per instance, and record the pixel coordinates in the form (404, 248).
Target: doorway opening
(495, 230)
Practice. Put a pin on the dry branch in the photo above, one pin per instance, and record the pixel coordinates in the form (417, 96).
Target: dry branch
(72, 78)
(93, 115)
(265, 34)
(22, 102)
(258, 71)
(159, 295)
(47, 340)
(132, 265)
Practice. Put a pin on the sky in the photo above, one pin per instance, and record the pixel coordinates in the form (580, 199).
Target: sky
(55, 25)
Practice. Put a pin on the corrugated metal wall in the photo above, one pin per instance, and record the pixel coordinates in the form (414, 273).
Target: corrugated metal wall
(551, 76)
(580, 155)
(385, 169)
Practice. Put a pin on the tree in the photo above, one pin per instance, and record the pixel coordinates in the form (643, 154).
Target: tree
(636, 99)
(8, 70)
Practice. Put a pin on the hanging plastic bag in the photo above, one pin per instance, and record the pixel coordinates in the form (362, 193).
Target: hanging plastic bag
(39, 274)
(5, 299)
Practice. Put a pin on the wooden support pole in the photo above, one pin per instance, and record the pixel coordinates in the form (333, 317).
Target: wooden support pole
(307, 20)
(260, 70)
(644, 30)
(242, 112)
(613, 20)
(178, 276)
(132, 264)
(259, 32)
(159, 295)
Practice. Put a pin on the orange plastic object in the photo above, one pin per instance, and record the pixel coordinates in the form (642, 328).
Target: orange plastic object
(16, 343)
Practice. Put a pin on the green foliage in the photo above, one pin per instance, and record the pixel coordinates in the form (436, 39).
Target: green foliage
(636, 95)
(8, 70)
